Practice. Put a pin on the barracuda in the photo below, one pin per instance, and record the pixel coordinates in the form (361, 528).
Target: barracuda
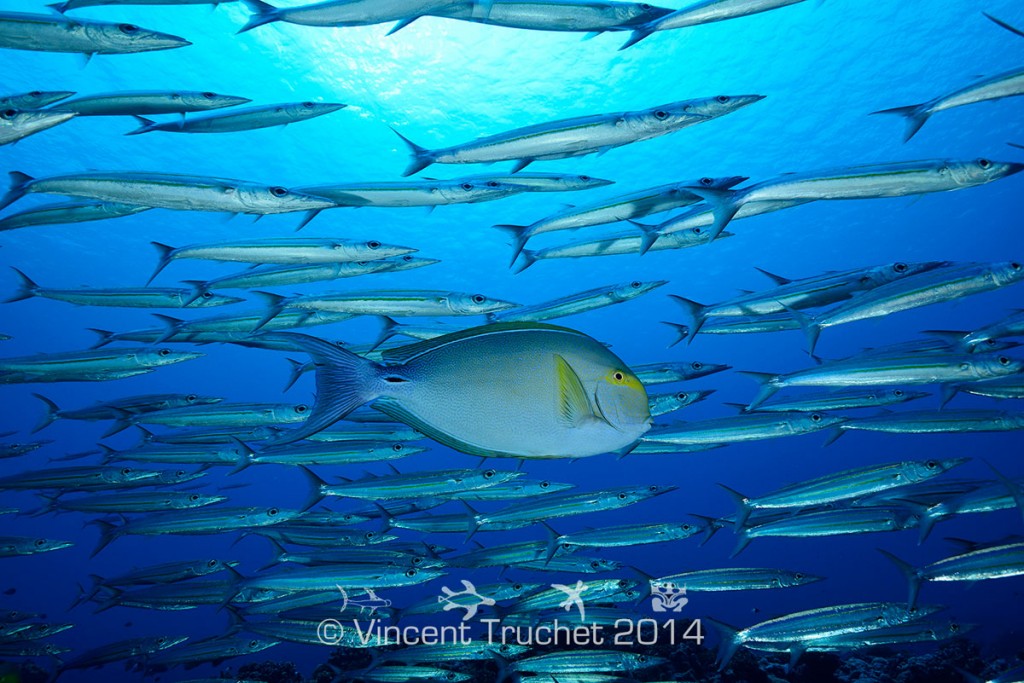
(997, 562)
(16, 546)
(248, 118)
(554, 15)
(574, 304)
(391, 303)
(36, 99)
(598, 591)
(585, 661)
(16, 125)
(614, 209)
(132, 501)
(54, 33)
(89, 366)
(78, 478)
(123, 649)
(753, 427)
(843, 400)
(662, 404)
(429, 193)
(416, 485)
(336, 453)
(839, 522)
(705, 12)
(147, 102)
(664, 373)
(736, 579)
(343, 13)
(579, 136)
(937, 422)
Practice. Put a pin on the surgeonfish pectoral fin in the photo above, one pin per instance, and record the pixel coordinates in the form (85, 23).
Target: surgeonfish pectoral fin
(574, 405)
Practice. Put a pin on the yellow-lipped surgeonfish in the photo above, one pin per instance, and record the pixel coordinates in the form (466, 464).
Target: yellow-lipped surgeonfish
(524, 390)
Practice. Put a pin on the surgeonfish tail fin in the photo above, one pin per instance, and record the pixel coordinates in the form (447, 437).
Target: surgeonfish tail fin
(913, 576)
(52, 414)
(915, 114)
(26, 287)
(19, 182)
(166, 254)
(682, 332)
(263, 13)
(730, 638)
(145, 125)
(344, 381)
(723, 204)
(768, 388)
(696, 311)
(520, 234)
(421, 156)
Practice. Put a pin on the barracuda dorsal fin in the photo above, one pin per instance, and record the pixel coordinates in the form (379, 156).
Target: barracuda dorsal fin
(404, 354)
(574, 406)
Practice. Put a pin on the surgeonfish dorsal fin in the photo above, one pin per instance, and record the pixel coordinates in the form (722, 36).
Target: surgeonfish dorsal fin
(403, 354)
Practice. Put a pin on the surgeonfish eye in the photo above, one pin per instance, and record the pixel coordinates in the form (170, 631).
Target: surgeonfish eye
(618, 376)
(722, 98)
(209, 95)
(164, 352)
(707, 182)
(478, 298)
(301, 408)
(815, 417)
(373, 244)
(278, 191)
(636, 284)
(128, 29)
(1003, 360)
(466, 186)
(10, 113)
(661, 114)
(984, 163)
(900, 267)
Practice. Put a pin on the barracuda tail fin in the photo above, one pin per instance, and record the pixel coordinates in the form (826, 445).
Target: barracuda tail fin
(298, 369)
(166, 254)
(695, 310)
(105, 337)
(809, 326)
(911, 573)
(743, 508)
(49, 417)
(421, 156)
(520, 234)
(731, 641)
(682, 332)
(1015, 489)
(713, 524)
(145, 126)
(62, 7)
(275, 305)
(19, 183)
(389, 330)
(742, 541)
(768, 387)
(529, 257)
(263, 13)
(26, 287)
(108, 534)
(199, 288)
(916, 116)
(344, 381)
(723, 204)
(649, 235)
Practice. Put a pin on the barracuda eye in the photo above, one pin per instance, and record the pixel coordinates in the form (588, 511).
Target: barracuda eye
(410, 573)
(517, 586)
(301, 408)
(900, 267)
(898, 393)
(272, 512)
(128, 29)
(722, 99)
(954, 627)
(645, 7)
(931, 464)
(985, 164)
(369, 535)
(545, 484)
(126, 471)
(478, 298)
(164, 352)
(211, 564)
(407, 258)
(308, 105)
(35, 93)
(191, 398)
(622, 496)
(193, 498)
(373, 244)
(697, 231)
(641, 658)
(707, 182)
(815, 417)
(180, 473)
(492, 183)
(636, 284)
(798, 576)
(696, 365)
(209, 95)
(9, 114)
(1015, 266)
(653, 488)
(682, 396)
(661, 114)
(40, 542)
(489, 473)
(417, 560)
(585, 178)
(278, 191)
(1003, 360)
(207, 295)
(685, 527)
(466, 186)
(397, 448)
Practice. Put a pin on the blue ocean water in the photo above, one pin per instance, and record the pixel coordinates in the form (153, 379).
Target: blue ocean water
(823, 68)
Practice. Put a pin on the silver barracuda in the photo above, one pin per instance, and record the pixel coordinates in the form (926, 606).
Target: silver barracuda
(843, 400)
(520, 488)
(67, 5)
(132, 501)
(499, 592)
(428, 193)
(584, 661)
(843, 486)
(839, 522)
(899, 179)
(234, 454)
(336, 453)
(15, 546)
(1005, 84)
(938, 422)
(419, 484)
(664, 373)
(147, 102)
(343, 13)
(36, 99)
(736, 579)
(581, 302)
(881, 370)
(1010, 326)
(579, 136)
(614, 209)
(392, 303)
(753, 427)
(123, 649)
(68, 212)
(122, 297)
(945, 283)
(89, 366)
(214, 650)
(54, 33)
(819, 290)
(248, 118)
(454, 652)
(705, 12)
(118, 408)
(171, 191)
(555, 15)
(628, 535)
(543, 182)
(1010, 387)
(339, 575)
(16, 124)
(616, 245)
(995, 562)
(225, 415)
(662, 404)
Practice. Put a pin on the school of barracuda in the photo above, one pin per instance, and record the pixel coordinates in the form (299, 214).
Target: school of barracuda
(495, 380)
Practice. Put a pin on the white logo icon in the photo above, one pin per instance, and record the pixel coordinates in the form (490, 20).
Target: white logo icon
(668, 597)
(574, 599)
(469, 591)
